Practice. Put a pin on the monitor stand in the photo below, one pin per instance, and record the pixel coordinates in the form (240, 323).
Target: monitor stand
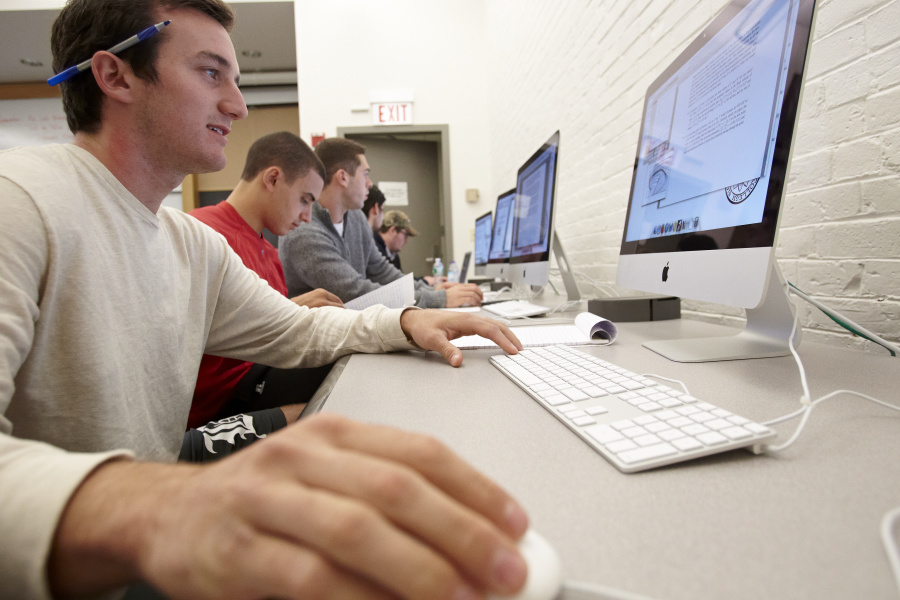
(767, 333)
(564, 270)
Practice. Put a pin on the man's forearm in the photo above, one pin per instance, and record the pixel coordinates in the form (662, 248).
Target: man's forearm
(98, 540)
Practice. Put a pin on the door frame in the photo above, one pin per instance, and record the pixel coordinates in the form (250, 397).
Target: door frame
(414, 133)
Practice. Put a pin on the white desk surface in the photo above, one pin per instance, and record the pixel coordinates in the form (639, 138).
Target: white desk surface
(801, 524)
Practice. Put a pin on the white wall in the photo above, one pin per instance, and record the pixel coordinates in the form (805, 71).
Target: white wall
(347, 49)
(583, 67)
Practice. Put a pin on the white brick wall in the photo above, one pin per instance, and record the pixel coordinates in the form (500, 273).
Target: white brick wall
(583, 67)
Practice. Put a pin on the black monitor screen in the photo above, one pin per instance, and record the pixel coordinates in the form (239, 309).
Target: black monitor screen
(482, 238)
(502, 236)
(716, 132)
(535, 192)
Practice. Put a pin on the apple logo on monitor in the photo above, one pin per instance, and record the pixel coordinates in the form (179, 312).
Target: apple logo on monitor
(665, 273)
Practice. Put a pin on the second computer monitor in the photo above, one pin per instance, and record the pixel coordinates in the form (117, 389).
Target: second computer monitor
(532, 230)
(501, 239)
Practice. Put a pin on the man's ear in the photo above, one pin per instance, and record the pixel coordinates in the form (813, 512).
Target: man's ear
(270, 177)
(114, 76)
(341, 178)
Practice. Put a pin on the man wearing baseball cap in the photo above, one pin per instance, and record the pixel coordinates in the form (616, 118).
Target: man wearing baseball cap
(393, 234)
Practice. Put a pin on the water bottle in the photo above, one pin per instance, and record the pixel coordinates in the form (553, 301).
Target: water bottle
(453, 272)
(438, 269)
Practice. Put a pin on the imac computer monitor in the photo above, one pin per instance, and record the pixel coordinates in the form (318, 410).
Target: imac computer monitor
(483, 232)
(533, 217)
(710, 171)
(498, 257)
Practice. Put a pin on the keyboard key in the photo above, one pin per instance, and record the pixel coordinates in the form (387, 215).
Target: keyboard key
(633, 432)
(575, 395)
(671, 434)
(604, 434)
(596, 410)
(621, 446)
(680, 422)
(555, 399)
(646, 440)
(686, 444)
(522, 375)
(695, 429)
(712, 438)
(702, 417)
(648, 453)
(585, 420)
(670, 402)
(736, 433)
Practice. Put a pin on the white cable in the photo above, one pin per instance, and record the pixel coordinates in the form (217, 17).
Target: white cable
(890, 544)
(804, 399)
(585, 590)
(806, 410)
(681, 383)
(832, 312)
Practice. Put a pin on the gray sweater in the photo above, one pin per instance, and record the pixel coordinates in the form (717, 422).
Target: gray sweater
(315, 256)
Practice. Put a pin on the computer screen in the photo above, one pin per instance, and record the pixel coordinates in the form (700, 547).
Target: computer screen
(501, 237)
(532, 229)
(483, 232)
(713, 157)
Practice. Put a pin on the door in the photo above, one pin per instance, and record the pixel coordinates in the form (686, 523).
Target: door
(414, 159)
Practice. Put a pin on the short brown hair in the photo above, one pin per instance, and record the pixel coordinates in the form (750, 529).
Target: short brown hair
(284, 150)
(84, 27)
(337, 154)
(375, 196)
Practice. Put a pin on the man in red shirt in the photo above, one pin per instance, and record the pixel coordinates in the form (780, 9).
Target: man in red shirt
(281, 179)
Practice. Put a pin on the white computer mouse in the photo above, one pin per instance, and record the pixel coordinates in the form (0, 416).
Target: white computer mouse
(544, 569)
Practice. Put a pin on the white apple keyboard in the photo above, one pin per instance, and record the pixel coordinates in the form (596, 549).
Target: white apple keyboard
(632, 421)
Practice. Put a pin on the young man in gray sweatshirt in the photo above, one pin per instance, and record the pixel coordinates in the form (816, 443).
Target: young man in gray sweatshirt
(335, 250)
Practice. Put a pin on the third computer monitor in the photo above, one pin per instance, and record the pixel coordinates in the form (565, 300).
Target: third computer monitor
(498, 258)
(532, 232)
(483, 232)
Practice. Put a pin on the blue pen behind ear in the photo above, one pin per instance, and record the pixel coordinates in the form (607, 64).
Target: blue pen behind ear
(128, 43)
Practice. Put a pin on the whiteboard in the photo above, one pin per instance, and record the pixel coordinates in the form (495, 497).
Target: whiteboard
(32, 122)
(38, 121)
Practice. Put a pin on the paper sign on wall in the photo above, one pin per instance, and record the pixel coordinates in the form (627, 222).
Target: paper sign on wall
(395, 193)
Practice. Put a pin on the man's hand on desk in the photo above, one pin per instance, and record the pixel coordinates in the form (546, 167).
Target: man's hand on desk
(324, 508)
(433, 330)
(316, 298)
(461, 294)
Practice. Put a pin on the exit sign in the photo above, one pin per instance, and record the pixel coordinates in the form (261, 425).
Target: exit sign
(392, 113)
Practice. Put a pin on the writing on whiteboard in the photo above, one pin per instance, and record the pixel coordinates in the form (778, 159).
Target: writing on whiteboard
(32, 122)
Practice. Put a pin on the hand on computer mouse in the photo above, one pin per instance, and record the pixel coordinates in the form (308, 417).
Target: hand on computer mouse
(544, 569)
